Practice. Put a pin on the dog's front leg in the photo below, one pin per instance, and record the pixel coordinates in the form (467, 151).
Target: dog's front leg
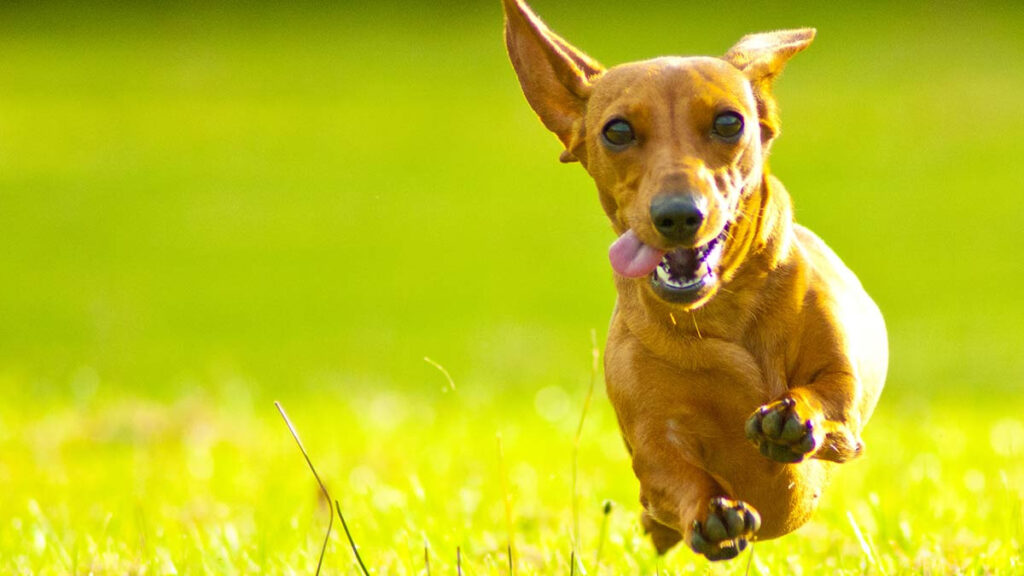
(672, 420)
(818, 420)
(683, 502)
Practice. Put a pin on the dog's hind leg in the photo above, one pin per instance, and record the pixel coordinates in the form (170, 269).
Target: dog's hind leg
(663, 537)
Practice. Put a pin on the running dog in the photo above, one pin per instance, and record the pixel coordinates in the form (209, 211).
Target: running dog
(744, 358)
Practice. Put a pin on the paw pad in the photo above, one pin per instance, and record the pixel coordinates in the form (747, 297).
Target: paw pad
(780, 433)
(723, 534)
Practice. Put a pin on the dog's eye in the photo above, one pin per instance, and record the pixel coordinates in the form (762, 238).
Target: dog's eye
(728, 125)
(618, 133)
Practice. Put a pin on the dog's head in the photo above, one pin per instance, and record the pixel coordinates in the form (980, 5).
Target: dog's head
(677, 146)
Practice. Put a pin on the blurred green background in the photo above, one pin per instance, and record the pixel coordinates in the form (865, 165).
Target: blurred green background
(295, 190)
(225, 203)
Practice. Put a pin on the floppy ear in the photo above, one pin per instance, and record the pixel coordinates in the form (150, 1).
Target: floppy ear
(556, 78)
(761, 57)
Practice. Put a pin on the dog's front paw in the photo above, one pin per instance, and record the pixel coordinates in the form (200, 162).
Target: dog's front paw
(723, 533)
(778, 430)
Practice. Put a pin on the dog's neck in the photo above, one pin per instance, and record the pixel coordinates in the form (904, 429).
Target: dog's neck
(772, 229)
(762, 245)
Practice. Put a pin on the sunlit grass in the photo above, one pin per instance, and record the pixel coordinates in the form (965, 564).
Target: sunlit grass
(129, 485)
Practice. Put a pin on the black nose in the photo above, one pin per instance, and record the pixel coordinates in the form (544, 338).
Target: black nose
(677, 217)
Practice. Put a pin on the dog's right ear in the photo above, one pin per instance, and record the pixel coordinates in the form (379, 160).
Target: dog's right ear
(556, 77)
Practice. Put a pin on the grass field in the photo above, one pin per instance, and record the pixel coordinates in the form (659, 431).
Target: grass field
(208, 207)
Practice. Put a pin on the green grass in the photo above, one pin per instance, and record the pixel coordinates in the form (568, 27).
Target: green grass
(205, 208)
(133, 485)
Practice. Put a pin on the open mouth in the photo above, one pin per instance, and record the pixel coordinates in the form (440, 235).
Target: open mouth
(682, 274)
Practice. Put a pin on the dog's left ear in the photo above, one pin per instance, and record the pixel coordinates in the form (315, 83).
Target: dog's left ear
(556, 77)
(761, 57)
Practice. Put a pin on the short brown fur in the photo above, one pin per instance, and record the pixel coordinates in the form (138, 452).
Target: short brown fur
(735, 406)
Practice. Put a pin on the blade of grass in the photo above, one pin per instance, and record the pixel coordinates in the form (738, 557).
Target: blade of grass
(442, 370)
(44, 523)
(595, 355)
(351, 542)
(607, 511)
(508, 502)
(426, 554)
(323, 487)
(864, 545)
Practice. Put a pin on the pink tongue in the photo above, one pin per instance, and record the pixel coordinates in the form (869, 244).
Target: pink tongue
(632, 258)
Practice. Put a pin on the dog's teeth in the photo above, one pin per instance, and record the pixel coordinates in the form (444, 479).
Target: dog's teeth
(703, 262)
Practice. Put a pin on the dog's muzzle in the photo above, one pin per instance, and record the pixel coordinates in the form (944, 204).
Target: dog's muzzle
(682, 275)
(685, 274)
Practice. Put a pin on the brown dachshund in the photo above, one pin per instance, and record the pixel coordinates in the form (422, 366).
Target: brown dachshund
(743, 358)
